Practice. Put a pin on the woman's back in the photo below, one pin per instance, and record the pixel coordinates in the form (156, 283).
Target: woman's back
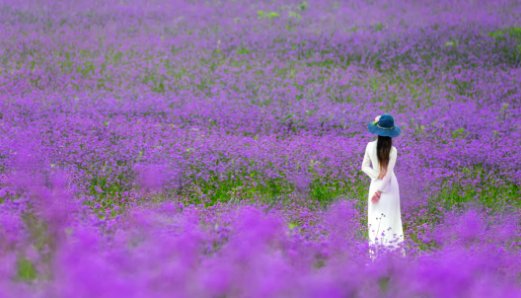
(373, 156)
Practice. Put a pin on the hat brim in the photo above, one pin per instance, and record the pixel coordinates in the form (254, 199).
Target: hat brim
(382, 131)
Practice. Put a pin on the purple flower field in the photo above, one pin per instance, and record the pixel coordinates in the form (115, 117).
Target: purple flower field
(213, 148)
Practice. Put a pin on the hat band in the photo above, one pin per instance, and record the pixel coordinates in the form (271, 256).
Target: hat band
(378, 125)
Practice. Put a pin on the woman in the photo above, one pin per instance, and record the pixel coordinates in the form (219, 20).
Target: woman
(384, 216)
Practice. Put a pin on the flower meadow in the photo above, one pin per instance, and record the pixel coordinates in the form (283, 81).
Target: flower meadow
(213, 148)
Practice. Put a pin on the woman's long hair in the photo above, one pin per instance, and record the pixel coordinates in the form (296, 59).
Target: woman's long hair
(383, 151)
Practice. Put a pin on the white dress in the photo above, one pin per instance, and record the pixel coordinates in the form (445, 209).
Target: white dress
(384, 217)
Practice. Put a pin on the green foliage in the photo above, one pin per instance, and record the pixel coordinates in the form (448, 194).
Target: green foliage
(159, 87)
(453, 43)
(303, 5)
(235, 186)
(512, 32)
(117, 57)
(86, 69)
(327, 63)
(38, 232)
(383, 283)
(243, 50)
(157, 82)
(292, 225)
(66, 65)
(374, 83)
(107, 193)
(261, 14)
(513, 55)
(489, 189)
(320, 261)
(294, 15)
(43, 241)
(421, 220)
(108, 190)
(463, 87)
(459, 133)
(325, 190)
(378, 27)
(25, 270)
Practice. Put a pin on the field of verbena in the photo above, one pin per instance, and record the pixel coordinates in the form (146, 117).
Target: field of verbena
(212, 148)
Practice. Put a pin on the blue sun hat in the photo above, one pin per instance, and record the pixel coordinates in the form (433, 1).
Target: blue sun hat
(383, 125)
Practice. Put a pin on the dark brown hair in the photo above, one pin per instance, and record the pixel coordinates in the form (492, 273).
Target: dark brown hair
(383, 151)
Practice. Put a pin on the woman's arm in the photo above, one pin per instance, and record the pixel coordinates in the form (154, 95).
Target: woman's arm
(366, 165)
(386, 180)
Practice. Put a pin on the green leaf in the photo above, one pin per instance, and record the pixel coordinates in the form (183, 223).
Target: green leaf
(459, 133)
(267, 15)
(378, 27)
(243, 51)
(26, 270)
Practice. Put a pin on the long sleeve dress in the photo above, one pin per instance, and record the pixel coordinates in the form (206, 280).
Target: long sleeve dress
(384, 217)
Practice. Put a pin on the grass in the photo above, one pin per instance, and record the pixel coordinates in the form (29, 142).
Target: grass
(489, 189)
(511, 51)
(26, 271)
(325, 190)
(471, 184)
(107, 194)
(235, 186)
(45, 244)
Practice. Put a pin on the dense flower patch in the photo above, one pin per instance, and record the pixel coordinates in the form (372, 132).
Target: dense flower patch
(212, 148)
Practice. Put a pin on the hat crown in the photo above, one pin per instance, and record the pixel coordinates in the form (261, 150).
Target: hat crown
(386, 121)
(384, 126)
